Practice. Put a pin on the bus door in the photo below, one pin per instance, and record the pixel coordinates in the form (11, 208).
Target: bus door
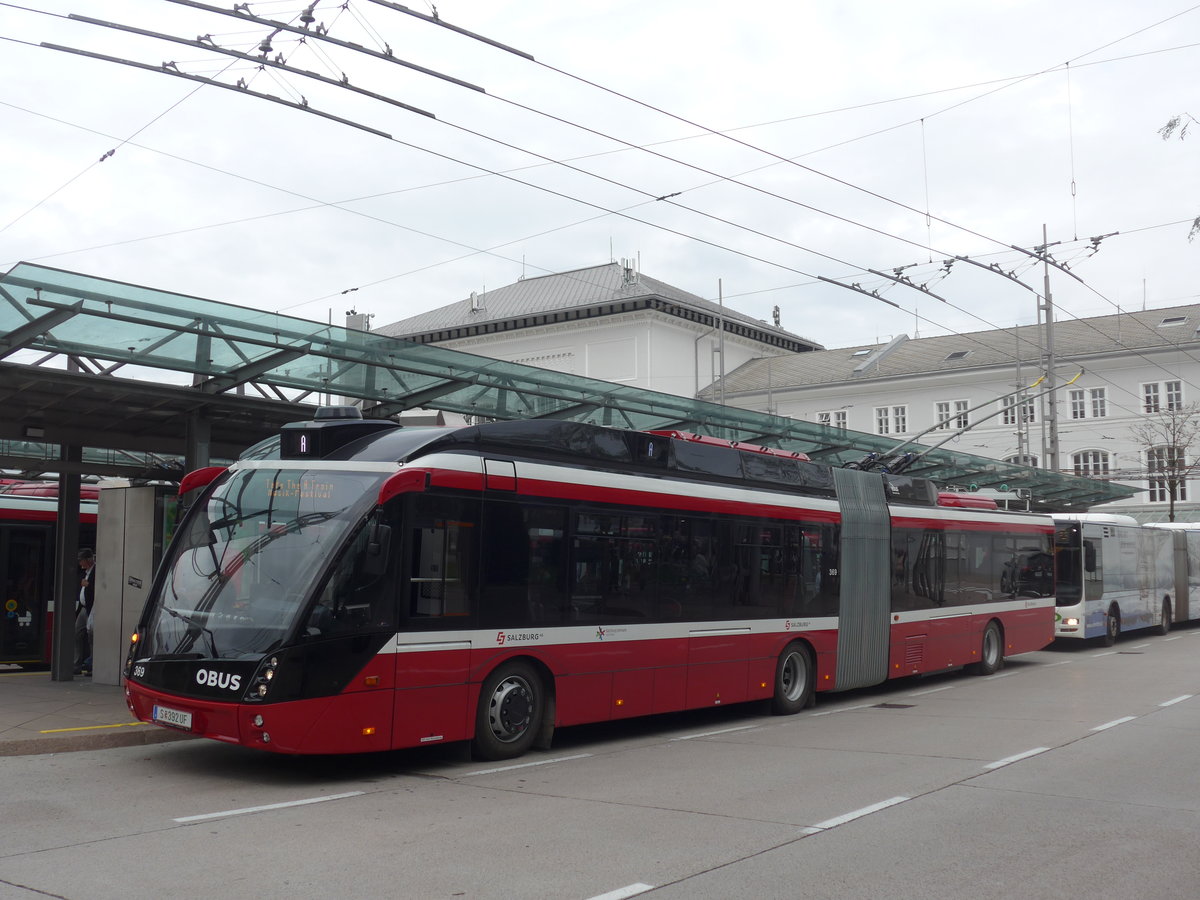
(1094, 585)
(1190, 568)
(433, 646)
(26, 571)
(1156, 548)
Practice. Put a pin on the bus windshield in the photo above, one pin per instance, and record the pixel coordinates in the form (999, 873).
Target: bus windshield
(240, 571)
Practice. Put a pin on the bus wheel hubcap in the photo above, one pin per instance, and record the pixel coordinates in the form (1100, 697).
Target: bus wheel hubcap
(792, 677)
(510, 708)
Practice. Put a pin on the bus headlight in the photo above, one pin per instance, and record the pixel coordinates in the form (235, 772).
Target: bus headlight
(1071, 622)
(261, 683)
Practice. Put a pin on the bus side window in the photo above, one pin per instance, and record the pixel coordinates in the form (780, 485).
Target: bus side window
(523, 576)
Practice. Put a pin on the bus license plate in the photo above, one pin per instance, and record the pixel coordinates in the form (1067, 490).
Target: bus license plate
(174, 717)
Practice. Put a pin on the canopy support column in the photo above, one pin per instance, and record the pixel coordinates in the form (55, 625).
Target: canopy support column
(66, 558)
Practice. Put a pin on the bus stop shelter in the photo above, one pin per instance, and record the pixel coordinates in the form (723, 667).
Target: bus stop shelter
(101, 377)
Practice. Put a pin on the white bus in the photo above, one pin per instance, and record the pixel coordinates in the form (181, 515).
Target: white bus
(1186, 536)
(1112, 575)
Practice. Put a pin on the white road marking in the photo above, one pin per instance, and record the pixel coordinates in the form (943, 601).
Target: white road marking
(1114, 723)
(1178, 700)
(830, 712)
(851, 816)
(948, 687)
(631, 890)
(712, 733)
(1105, 653)
(540, 762)
(254, 809)
(1017, 758)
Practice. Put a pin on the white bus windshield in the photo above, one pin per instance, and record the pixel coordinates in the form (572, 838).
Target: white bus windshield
(240, 571)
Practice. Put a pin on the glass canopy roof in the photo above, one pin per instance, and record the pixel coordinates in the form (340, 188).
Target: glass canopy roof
(219, 347)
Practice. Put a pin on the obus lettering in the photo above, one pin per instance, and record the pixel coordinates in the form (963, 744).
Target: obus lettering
(211, 678)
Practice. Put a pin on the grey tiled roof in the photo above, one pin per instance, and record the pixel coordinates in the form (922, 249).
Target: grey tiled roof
(1073, 338)
(576, 290)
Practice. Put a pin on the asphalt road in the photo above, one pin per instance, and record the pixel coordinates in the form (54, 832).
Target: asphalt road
(1073, 773)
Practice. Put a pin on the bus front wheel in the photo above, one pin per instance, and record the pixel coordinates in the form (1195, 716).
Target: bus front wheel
(511, 707)
(991, 651)
(793, 680)
(1112, 626)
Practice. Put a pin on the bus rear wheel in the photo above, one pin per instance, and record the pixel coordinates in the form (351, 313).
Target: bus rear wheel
(511, 707)
(1112, 626)
(793, 680)
(991, 652)
(1164, 625)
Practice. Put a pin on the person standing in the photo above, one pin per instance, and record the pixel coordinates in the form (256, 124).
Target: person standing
(83, 612)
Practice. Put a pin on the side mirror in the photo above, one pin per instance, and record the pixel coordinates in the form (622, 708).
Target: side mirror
(379, 546)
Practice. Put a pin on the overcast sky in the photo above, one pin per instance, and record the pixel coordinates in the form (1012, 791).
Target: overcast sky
(865, 135)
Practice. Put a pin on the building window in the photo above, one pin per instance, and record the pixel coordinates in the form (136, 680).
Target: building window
(1165, 396)
(1090, 463)
(1078, 400)
(891, 419)
(835, 418)
(1026, 460)
(1009, 416)
(952, 413)
(958, 354)
(1150, 397)
(1099, 403)
(1169, 460)
(1174, 392)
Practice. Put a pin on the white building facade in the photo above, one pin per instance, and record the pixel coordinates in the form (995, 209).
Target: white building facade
(608, 322)
(1113, 374)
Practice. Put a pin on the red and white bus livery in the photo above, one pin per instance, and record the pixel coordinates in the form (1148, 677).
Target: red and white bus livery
(356, 585)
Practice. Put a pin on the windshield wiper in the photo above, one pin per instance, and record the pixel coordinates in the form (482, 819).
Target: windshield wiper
(190, 638)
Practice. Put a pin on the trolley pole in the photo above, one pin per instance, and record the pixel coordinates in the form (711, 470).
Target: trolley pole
(1047, 306)
(1019, 408)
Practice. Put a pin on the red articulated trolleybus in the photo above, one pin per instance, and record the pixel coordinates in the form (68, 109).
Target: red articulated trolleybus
(354, 585)
(28, 522)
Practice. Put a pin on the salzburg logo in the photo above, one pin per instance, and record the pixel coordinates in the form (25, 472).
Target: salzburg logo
(500, 638)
